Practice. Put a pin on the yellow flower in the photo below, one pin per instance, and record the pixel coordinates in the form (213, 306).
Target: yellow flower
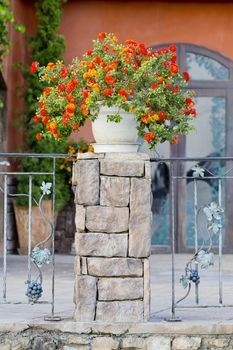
(71, 149)
(154, 117)
(114, 38)
(50, 66)
(68, 169)
(62, 166)
(90, 148)
(92, 72)
(88, 100)
(131, 109)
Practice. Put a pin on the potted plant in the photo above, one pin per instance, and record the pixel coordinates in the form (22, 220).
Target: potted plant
(139, 89)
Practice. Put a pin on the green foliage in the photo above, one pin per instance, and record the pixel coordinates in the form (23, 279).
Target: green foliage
(6, 18)
(45, 46)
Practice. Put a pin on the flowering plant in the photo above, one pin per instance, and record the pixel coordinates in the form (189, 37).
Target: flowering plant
(129, 76)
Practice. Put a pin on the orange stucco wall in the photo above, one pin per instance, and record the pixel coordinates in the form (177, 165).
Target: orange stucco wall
(208, 24)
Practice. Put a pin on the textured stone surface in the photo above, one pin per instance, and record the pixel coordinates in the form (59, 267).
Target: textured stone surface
(147, 289)
(186, 343)
(84, 266)
(80, 216)
(77, 265)
(101, 244)
(114, 191)
(119, 311)
(218, 343)
(134, 343)
(140, 218)
(122, 167)
(85, 298)
(107, 219)
(105, 343)
(148, 170)
(127, 156)
(158, 343)
(87, 191)
(90, 155)
(120, 288)
(114, 267)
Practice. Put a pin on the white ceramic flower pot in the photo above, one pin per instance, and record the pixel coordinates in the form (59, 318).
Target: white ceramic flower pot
(115, 137)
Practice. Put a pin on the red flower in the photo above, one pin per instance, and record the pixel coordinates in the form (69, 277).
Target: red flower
(64, 72)
(75, 126)
(70, 108)
(43, 112)
(61, 87)
(131, 42)
(39, 136)
(167, 86)
(108, 92)
(110, 80)
(172, 48)
(173, 59)
(85, 93)
(149, 136)
(186, 76)
(176, 89)
(166, 63)
(162, 116)
(36, 119)
(70, 98)
(33, 67)
(143, 49)
(41, 104)
(89, 52)
(188, 100)
(45, 120)
(122, 92)
(154, 86)
(102, 35)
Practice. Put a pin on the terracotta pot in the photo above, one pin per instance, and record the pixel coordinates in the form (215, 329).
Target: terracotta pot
(115, 137)
(40, 227)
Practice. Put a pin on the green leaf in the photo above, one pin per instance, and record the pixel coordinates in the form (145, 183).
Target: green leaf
(19, 27)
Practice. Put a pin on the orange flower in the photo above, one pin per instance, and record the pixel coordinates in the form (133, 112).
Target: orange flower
(174, 68)
(46, 91)
(75, 126)
(50, 66)
(149, 136)
(145, 118)
(95, 88)
(161, 80)
(45, 120)
(70, 108)
(110, 80)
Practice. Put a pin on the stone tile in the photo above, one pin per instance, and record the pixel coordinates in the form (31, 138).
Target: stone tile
(186, 343)
(84, 266)
(121, 167)
(120, 288)
(114, 191)
(80, 217)
(105, 343)
(127, 156)
(158, 343)
(101, 244)
(85, 298)
(218, 343)
(120, 311)
(148, 170)
(134, 343)
(114, 267)
(140, 218)
(147, 289)
(90, 155)
(77, 265)
(87, 191)
(107, 219)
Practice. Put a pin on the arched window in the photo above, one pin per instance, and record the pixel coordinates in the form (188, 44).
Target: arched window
(212, 78)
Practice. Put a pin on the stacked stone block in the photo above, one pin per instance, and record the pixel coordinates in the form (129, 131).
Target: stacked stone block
(113, 238)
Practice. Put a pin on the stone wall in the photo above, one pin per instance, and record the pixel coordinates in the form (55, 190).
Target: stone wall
(68, 335)
(113, 240)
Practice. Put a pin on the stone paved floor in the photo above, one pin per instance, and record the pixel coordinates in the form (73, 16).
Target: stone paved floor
(160, 286)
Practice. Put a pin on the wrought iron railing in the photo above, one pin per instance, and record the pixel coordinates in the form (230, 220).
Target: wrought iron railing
(207, 223)
(40, 254)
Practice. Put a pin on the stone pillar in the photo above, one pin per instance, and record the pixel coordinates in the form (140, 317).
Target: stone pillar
(113, 237)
